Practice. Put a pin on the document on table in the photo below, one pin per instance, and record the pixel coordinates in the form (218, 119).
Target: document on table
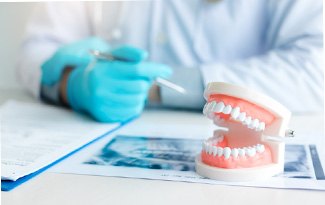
(172, 159)
(34, 135)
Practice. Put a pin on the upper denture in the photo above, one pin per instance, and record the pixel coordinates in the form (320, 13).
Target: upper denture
(222, 107)
(254, 111)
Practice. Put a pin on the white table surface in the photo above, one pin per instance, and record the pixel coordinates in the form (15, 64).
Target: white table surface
(52, 188)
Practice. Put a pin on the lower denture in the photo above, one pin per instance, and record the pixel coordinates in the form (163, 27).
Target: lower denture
(236, 162)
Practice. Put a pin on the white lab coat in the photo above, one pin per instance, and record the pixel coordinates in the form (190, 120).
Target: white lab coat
(273, 46)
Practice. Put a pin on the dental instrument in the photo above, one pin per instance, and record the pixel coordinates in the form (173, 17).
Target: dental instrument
(160, 81)
(287, 137)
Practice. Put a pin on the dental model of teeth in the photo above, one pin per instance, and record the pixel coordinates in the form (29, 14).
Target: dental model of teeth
(239, 153)
(219, 107)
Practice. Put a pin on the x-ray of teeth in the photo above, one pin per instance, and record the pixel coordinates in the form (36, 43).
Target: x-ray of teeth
(179, 155)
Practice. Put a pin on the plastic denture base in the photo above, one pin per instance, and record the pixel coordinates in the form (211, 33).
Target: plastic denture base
(240, 153)
(238, 147)
(241, 137)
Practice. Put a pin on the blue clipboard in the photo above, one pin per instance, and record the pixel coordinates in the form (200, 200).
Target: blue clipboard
(7, 185)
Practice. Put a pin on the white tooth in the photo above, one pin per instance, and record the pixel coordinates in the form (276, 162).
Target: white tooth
(246, 149)
(235, 113)
(205, 108)
(241, 152)
(219, 107)
(260, 148)
(227, 109)
(213, 106)
(214, 150)
(210, 149)
(261, 126)
(254, 123)
(226, 152)
(251, 152)
(219, 151)
(242, 116)
(209, 107)
(206, 147)
(234, 152)
(247, 120)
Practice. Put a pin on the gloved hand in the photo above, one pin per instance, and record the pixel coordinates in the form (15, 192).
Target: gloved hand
(110, 91)
(113, 91)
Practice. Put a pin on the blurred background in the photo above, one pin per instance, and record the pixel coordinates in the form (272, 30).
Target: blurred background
(13, 19)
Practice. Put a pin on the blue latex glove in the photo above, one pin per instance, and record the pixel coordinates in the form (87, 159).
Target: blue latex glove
(75, 54)
(114, 91)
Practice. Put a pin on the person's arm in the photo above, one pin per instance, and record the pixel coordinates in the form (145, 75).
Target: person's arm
(52, 26)
(291, 71)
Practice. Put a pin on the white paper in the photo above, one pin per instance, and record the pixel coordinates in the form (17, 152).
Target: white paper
(172, 159)
(35, 135)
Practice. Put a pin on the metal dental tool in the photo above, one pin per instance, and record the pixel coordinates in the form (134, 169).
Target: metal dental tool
(288, 134)
(160, 81)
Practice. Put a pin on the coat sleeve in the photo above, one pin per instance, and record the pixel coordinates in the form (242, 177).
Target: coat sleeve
(291, 71)
(52, 25)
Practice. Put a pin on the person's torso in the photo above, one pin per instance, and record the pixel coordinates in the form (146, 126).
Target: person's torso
(188, 33)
